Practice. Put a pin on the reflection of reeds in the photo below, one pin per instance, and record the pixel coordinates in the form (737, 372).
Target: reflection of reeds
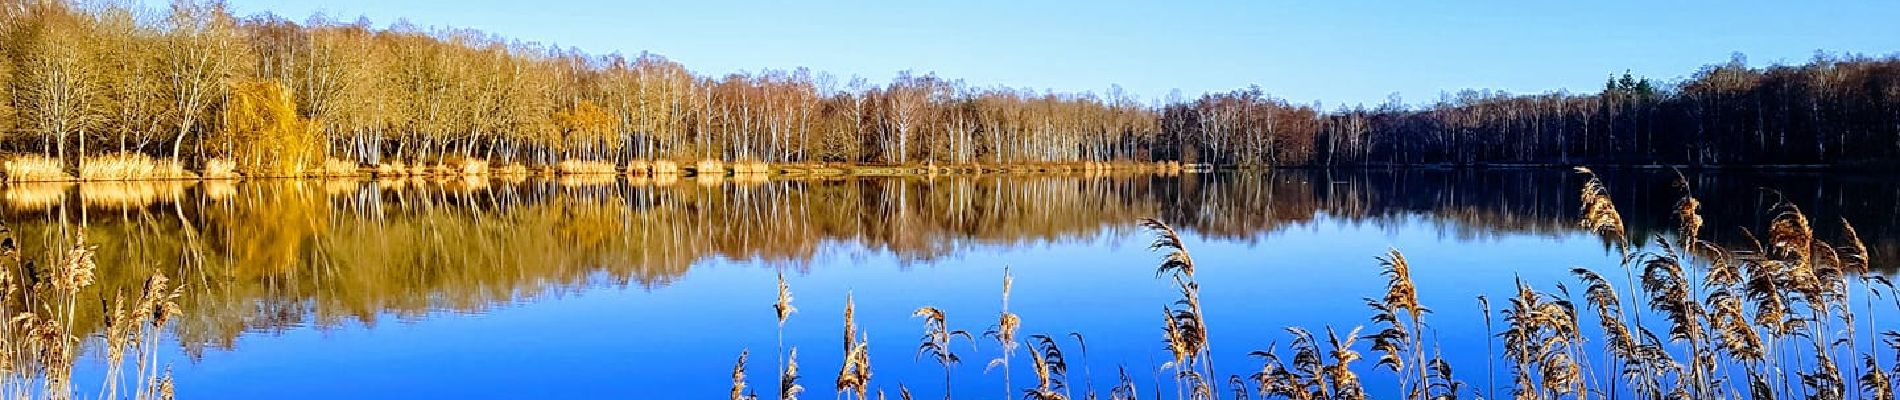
(132, 194)
(217, 190)
(36, 195)
(586, 180)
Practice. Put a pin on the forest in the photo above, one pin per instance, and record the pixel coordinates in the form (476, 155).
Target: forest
(105, 90)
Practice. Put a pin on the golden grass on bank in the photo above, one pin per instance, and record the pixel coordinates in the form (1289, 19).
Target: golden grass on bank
(584, 167)
(708, 167)
(471, 167)
(750, 168)
(33, 168)
(130, 166)
(220, 168)
(664, 167)
(339, 168)
(391, 168)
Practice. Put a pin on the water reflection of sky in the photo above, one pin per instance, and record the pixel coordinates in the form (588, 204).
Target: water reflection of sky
(679, 340)
(499, 266)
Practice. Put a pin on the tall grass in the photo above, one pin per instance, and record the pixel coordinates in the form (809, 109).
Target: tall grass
(33, 168)
(1771, 320)
(39, 302)
(130, 166)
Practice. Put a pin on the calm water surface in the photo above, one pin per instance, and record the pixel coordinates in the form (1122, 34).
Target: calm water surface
(616, 289)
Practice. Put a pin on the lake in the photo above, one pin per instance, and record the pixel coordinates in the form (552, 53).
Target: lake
(635, 288)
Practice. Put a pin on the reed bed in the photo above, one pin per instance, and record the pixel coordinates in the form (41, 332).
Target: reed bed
(39, 302)
(332, 167)
(33, 168)
(582, 167)
(1774, 319)
(130, 166)
(220, 168)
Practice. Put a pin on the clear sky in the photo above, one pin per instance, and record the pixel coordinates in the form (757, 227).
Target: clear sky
(1349, 51)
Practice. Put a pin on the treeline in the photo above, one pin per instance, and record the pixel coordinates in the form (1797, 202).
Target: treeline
(1834, 110)
(195, 83)
(125, 79)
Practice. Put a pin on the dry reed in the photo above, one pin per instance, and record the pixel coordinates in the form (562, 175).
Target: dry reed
(130, 166)
(34, 168)
(584, 167)
(219, 168)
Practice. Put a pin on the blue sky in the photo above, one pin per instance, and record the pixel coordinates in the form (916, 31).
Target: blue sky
(1338, 52)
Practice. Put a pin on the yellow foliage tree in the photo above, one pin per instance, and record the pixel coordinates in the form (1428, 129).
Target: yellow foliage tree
(584, 128)
(263, 134)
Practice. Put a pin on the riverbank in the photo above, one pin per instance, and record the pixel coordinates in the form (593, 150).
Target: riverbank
(138, 167)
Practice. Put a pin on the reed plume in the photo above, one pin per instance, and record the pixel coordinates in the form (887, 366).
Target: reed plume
(1671, 293)
(1186, 330)
(783, 308)
(1124, 386)
(1541, 339)
(1599, 213)
(1177, 259)
(784, 305)
(1276, 380)
(1442, 384)
(1490, 368)
(1401, 338)
(1005, 334)
(937, 341)
(855, 375)
(1874, 383)
(1049, 367)
(1688, 217)
(788, 387)
(1340, 371)
(738, 379)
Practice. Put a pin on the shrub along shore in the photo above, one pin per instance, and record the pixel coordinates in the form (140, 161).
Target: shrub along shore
(139, 167)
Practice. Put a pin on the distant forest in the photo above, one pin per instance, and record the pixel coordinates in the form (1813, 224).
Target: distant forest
(193, 82)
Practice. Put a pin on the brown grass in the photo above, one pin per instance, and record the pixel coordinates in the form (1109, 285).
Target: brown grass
(131, 166)
(39, 306)
(33, 168)
(339, 168)
(219, 168)
(709, 167)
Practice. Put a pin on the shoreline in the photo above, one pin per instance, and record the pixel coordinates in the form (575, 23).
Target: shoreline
(706, 169)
